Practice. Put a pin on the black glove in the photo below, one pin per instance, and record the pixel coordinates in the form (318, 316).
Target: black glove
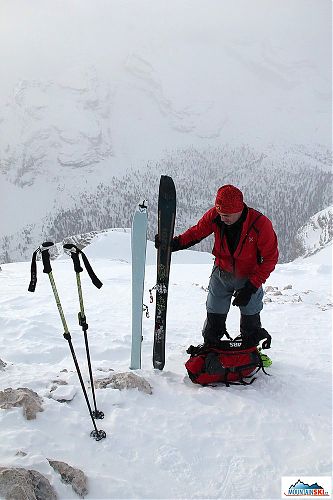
(175, 245)
(243, 295)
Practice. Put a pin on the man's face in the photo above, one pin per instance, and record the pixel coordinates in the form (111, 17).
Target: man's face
(228, 219)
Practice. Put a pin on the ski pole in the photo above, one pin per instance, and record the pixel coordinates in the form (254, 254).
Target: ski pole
(75, 253)
(44, 250)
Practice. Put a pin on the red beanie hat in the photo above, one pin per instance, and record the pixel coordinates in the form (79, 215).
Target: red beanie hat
(229, 199)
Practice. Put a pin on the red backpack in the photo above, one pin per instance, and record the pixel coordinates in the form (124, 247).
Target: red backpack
(229, 362)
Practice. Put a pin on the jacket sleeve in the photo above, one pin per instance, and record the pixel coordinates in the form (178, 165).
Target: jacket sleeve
(194, 234)
(268, 249)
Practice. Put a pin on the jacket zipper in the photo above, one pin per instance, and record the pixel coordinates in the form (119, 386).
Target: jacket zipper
(247, 234)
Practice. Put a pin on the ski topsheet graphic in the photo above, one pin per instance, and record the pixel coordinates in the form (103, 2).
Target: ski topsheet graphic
(139, 243)
(166, 223)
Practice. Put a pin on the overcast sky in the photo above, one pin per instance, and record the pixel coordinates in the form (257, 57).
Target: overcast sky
(269, 54)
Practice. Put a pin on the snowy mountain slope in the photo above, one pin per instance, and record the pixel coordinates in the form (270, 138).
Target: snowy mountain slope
(120, 84)
(182, 441)
(115, 245)
(317, 233)
(289, 199)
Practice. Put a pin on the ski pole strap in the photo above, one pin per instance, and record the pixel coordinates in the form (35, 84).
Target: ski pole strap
(33, 272)
(75, 252)
(44, 250)
(93, 277)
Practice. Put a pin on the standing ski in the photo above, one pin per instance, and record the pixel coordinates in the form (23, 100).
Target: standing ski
(166, 223)
(139, 243)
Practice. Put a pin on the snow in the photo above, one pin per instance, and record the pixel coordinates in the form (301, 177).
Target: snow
(64, 393)
(183, 441)
(317, 232)
(114, 244)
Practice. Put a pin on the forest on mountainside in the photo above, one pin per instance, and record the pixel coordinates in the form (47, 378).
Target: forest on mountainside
(289, 188)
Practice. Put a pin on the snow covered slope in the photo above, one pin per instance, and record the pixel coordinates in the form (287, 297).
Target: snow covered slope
(183, 441)
(317, 233)
(115, 245)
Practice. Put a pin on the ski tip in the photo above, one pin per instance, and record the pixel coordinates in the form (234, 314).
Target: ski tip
(167, 189)
(142, 207)
(166, 180)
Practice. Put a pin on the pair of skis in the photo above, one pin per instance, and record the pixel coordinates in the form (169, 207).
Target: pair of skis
(166, 222)
(75, 252)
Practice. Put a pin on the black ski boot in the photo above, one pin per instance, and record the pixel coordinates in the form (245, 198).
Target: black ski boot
(251, 330)
(249, 324)
(214, 328)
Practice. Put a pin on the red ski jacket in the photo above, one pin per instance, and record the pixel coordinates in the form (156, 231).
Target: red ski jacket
(256, 254)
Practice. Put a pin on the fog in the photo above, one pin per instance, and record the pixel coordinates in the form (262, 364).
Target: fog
(271, 57)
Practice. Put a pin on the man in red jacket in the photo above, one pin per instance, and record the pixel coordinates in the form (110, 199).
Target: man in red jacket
(246, 253)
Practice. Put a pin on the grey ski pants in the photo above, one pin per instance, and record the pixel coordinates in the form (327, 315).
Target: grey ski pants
(221, 288)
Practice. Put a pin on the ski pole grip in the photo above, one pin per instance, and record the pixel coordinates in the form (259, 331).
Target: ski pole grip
(76, 262)
(46, 262)
(75, 256)
(46, 245)
(43, 248)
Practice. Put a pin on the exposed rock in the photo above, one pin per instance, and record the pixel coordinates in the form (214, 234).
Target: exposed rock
(28, 399)
(70, 475)
(288, 287)
(22, 484)
(21, 453)
(271, 288)
(64, 370)
(63, 393)
(277, 292)
(2, 365)
(124, 381)
(59, 382)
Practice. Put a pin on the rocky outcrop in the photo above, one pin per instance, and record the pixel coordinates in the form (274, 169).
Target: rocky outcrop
(63, 393)
(23, 484)
(2, 365)
(125, 381)
(70, 475)
(24, 397)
